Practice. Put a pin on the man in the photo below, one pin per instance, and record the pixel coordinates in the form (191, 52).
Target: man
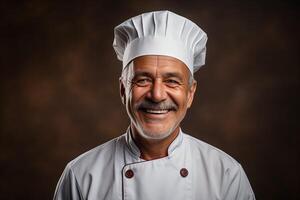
(154, 159)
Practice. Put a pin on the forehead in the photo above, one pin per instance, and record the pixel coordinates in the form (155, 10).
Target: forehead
(159, 64)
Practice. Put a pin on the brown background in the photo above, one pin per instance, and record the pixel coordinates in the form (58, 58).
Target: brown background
(59, 88)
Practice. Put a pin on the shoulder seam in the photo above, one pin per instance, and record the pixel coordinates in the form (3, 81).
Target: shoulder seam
(73, 162)
(77, 184)
(191, 138)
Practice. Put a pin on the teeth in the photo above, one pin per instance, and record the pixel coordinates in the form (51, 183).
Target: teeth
(157, 111)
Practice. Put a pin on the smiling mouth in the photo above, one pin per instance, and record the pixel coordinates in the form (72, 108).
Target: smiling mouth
(156, 112)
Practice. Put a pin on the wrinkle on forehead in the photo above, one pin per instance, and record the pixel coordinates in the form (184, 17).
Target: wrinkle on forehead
(159, 60)
(157, 63)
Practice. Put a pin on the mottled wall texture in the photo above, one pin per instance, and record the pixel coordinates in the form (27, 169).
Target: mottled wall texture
(60, 98)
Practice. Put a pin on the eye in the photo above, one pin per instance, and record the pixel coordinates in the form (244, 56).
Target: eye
(142, 82)
(172, 82)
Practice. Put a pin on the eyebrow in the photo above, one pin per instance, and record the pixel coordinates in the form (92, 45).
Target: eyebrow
(165, 75)
(173, 75)
(142, 74)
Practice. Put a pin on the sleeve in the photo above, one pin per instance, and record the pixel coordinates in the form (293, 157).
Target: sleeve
(238, 186)
(67, 187)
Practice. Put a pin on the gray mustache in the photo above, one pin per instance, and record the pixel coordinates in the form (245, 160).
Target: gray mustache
(165, 105)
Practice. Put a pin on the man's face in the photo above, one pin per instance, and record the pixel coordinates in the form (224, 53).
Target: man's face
(157, 94)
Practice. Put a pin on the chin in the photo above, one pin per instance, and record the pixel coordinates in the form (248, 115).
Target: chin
(155, 134)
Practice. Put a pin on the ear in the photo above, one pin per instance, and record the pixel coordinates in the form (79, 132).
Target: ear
(191, 93)
(122, 91)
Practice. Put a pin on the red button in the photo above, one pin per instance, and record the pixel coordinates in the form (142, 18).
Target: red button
(184, 172)
(129, 173)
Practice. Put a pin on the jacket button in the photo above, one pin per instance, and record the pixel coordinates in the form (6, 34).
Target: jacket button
(129, 173)
(184, 172)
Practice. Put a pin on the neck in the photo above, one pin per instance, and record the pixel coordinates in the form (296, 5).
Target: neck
(153, 148)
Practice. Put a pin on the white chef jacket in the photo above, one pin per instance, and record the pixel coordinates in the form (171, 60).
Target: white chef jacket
(193, 170)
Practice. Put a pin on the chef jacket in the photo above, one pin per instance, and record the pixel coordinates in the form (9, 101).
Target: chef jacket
(193, 170)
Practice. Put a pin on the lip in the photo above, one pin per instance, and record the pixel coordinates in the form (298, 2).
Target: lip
(155, 114)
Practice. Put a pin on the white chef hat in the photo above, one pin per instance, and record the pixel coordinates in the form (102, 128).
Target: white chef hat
(161, 33)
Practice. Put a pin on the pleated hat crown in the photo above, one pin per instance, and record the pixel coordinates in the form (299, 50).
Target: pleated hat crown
(161, 33)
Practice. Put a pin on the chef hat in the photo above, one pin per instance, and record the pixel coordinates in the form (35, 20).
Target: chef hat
(161, 33)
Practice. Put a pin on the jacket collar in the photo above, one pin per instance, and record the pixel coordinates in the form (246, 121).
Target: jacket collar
(133, 148)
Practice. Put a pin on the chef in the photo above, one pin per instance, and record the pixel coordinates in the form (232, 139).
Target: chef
(154, 159)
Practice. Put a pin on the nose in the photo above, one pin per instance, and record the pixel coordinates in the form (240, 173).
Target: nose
(157, 92)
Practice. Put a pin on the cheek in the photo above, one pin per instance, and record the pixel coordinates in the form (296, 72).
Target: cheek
(133, 97)
(180, 97)
(137, 93)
